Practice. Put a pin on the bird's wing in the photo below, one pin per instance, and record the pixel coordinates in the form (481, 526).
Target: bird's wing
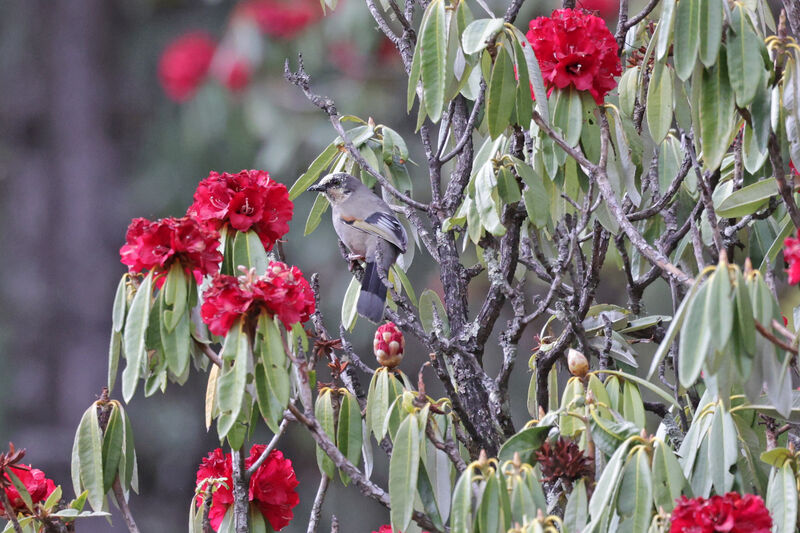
(384, 225)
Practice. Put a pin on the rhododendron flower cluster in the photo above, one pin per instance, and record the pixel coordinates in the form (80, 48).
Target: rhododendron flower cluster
(38, 486)
(184, 65)
(247, 200)
(575, 48)
(791, 254)
(272, 486)
(282, 291)
(156, 245)
(281, 19)
(731, 513)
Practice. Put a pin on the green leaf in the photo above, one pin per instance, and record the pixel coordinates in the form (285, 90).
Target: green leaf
(628, 89)
(568, 114)
(433, 50)
(233, 377)
(632, 406)
(711, 33)
(716, 110)
(719, 308)
(747, 200)
(782, 499)
(777, 457)
(489, 509)
(120, 304)
(668, 480)
(408, 287)
(478, 33)
(659, 101)
(576, 513)
(128, 475)
(90, 457)
(427, 301)
(176, 291)
(176, 343)
(403, 470)
(745, 66)
(113, 443)
(21, 488)
(524, 103)
(314, 170)
(349, 434)
(686, 37)
(315, 215)
(428, 497)
(349, 309)
(269, 407)
(323, 411)
(134, 337)
(378, 402)
(664, 29)
(646, 384)
(534, 195)
(535, 74)
(636, 491)
(114, 350)
(608, 484)
(695, 338)
(525, 443)
(257, 522)
(501, 94)
(461, 512)
(249, 252)
(413, 78)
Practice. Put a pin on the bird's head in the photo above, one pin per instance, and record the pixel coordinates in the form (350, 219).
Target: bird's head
(336, 187)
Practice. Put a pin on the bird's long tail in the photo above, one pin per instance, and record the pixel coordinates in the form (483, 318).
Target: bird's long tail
(372, 298)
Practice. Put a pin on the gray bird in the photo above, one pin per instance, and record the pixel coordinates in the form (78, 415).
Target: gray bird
(369, 229)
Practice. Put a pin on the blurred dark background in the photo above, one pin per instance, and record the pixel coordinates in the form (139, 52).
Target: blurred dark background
(89, 140)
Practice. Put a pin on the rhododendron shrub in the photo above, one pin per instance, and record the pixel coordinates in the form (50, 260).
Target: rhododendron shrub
(631, 230)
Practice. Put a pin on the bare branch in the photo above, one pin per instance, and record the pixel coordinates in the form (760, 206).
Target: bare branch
(302, 80)
(119, 496)
(316, 509)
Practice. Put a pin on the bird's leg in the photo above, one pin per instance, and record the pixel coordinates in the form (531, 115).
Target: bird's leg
(352, 259)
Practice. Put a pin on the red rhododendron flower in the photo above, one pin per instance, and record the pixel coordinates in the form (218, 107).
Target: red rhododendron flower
(282, 291)
(38, 486)
(281, 19)
(184, 65)
(249, 199)
(730, 513)
(791, 254)
(272, 486)
(576, 48)
(155, 246)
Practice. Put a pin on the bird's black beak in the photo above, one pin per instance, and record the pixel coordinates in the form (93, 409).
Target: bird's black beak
(316, 188)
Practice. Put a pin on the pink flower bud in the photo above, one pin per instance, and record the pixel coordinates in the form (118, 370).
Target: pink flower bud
(389, 345)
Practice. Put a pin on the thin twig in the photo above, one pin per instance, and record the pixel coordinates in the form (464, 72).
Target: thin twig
(211, 354)
(302, 80)
(12, 516)
(767, 334)
(267, 450)
(119, 496)
(316, 509)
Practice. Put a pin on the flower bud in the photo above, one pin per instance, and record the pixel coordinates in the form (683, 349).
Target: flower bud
(577, 363)
(389, 345)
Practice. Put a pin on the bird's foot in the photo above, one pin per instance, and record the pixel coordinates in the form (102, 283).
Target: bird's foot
(353, 262)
